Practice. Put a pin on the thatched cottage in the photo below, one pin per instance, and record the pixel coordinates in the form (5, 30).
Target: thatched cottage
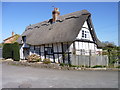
(61, 37)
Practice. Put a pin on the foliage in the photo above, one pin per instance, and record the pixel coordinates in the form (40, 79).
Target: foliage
(69, 65)
(118, 66)
(46, 61)
(74, 66)
(63, 64)
(16, 53)
(98, 66)
(34, 58)
(11, 51)
(7, 51)
(112, 51)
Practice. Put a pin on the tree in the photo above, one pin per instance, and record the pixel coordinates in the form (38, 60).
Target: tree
(112, 51)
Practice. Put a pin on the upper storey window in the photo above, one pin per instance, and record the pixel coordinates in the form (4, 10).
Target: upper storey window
(85, 34)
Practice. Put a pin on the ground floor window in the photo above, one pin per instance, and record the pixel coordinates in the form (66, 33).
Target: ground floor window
(48, 50)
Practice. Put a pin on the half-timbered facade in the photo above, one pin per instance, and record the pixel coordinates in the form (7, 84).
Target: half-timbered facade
(61, 37)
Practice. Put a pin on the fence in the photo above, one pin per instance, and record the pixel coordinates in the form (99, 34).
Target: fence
(89, 60)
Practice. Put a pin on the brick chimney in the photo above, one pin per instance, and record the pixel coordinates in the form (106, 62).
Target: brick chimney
(55, 14)
(12, 33)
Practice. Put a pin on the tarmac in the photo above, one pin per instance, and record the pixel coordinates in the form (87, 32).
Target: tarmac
(14, 76)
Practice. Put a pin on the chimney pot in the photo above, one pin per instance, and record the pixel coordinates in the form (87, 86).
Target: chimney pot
(12, 33)
(55, 14)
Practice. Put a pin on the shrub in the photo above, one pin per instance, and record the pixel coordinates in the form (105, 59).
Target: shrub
(74, 66)
(118, 66)
(34, 58)
(7, 51)
(11, 51)
(98, 66)
(16, 53)
(63, 64)
(46, 61)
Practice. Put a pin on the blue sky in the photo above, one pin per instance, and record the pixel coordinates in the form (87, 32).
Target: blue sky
(17, 15)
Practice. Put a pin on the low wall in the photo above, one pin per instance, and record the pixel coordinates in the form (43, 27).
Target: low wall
(89, 60)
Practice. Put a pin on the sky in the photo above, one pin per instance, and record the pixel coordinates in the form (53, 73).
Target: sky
(16, 16)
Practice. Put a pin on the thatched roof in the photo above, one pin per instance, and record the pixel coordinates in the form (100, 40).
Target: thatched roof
(65, 29)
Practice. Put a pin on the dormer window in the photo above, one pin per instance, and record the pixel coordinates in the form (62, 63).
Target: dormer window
(24, 38)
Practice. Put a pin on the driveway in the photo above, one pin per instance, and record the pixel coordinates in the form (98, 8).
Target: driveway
(24, 77)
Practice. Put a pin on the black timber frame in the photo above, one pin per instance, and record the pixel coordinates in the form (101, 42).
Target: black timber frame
(63, 57)
(58, 52)
(53, 53)
(68, 54)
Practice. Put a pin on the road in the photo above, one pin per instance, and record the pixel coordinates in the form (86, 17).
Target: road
(24, 77)
(0, 52)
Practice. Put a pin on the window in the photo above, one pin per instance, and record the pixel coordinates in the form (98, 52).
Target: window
(82, 33)
(82, 51)
(24, 38)
(48, 50)
(85, 34)
(37, 50)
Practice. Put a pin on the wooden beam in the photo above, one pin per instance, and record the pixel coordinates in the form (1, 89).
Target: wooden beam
(44, 51)
(58, 53)
(68, 54)
(63, 57)
(53, 53)
(40, 50)
(47, 52)
(34, 48)
(83, 40)
(88, 22)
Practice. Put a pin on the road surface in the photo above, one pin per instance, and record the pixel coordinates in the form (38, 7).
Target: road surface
(23, 77)
(0, 52)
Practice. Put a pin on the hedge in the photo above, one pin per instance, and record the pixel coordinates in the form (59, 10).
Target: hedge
(7, 51)
(11, 50)
(16, 53)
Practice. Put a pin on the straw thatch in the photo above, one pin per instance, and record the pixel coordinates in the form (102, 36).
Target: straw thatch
(66, 29)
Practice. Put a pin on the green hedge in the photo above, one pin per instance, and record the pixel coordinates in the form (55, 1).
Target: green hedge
(11, 51)
(16, 53)
(7, 51)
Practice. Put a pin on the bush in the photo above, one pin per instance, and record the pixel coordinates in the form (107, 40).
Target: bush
(16, 53)
(74, 66)
(34, 58)
(11, 51)
(46, 61)
(7, 51)
(98, 66)
(118, 66)
(63, 64)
